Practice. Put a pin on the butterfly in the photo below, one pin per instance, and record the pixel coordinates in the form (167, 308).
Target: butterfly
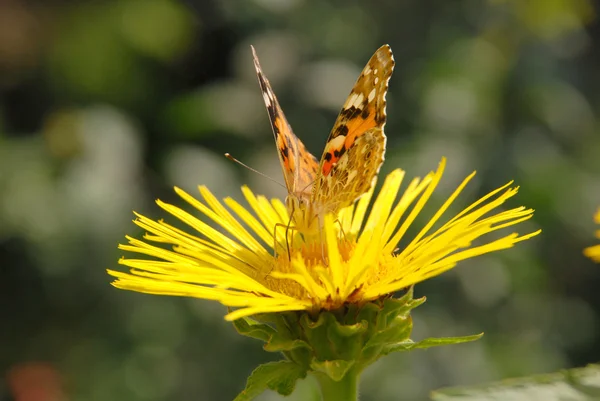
(353, 152)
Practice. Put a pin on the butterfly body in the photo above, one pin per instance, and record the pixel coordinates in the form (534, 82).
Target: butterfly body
(353, 152)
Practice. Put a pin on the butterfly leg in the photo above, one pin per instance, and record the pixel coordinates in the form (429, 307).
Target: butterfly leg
(287, 239)
(275, 242)
(341, 228)
(288, 228)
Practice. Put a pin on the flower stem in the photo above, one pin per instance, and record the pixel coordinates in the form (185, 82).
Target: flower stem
(343, 390)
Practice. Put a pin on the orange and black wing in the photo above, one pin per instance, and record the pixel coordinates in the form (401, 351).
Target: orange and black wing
(355, 148)
(299, 165)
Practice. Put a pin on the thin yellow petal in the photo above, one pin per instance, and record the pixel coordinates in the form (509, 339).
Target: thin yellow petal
(435, 179)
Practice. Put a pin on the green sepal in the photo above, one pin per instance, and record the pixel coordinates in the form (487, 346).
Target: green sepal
(380, 343)
(275, 332)
(277, 376)
(393, 325)
(336, 370)
(398, 307)
(278, 344)
(433, 342)
(251, 328)
(332, 340)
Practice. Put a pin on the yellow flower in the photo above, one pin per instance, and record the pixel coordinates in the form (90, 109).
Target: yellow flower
(593, 252)
(357, 260)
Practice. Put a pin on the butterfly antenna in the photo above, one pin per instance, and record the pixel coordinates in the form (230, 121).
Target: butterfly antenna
(233, 159)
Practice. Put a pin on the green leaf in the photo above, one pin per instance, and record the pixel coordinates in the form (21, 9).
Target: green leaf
(278, 376)
(336, 370)
(582, 384)
(432, 342)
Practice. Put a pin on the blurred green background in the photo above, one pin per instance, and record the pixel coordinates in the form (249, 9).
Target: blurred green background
(105, 105)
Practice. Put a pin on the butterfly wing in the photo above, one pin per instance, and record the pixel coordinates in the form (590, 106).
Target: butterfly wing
(299, 165)
(355, 148)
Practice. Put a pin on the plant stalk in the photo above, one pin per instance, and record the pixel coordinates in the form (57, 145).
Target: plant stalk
(343, 390)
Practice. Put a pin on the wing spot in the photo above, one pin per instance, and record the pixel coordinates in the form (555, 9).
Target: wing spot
(267, 99)
(347, 113)
(338, 153)
(336, 143)
(365, 114)
(342, 130)
(372, 95)
(356, 100)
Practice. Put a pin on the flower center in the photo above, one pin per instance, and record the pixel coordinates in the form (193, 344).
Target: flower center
(313, 258)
